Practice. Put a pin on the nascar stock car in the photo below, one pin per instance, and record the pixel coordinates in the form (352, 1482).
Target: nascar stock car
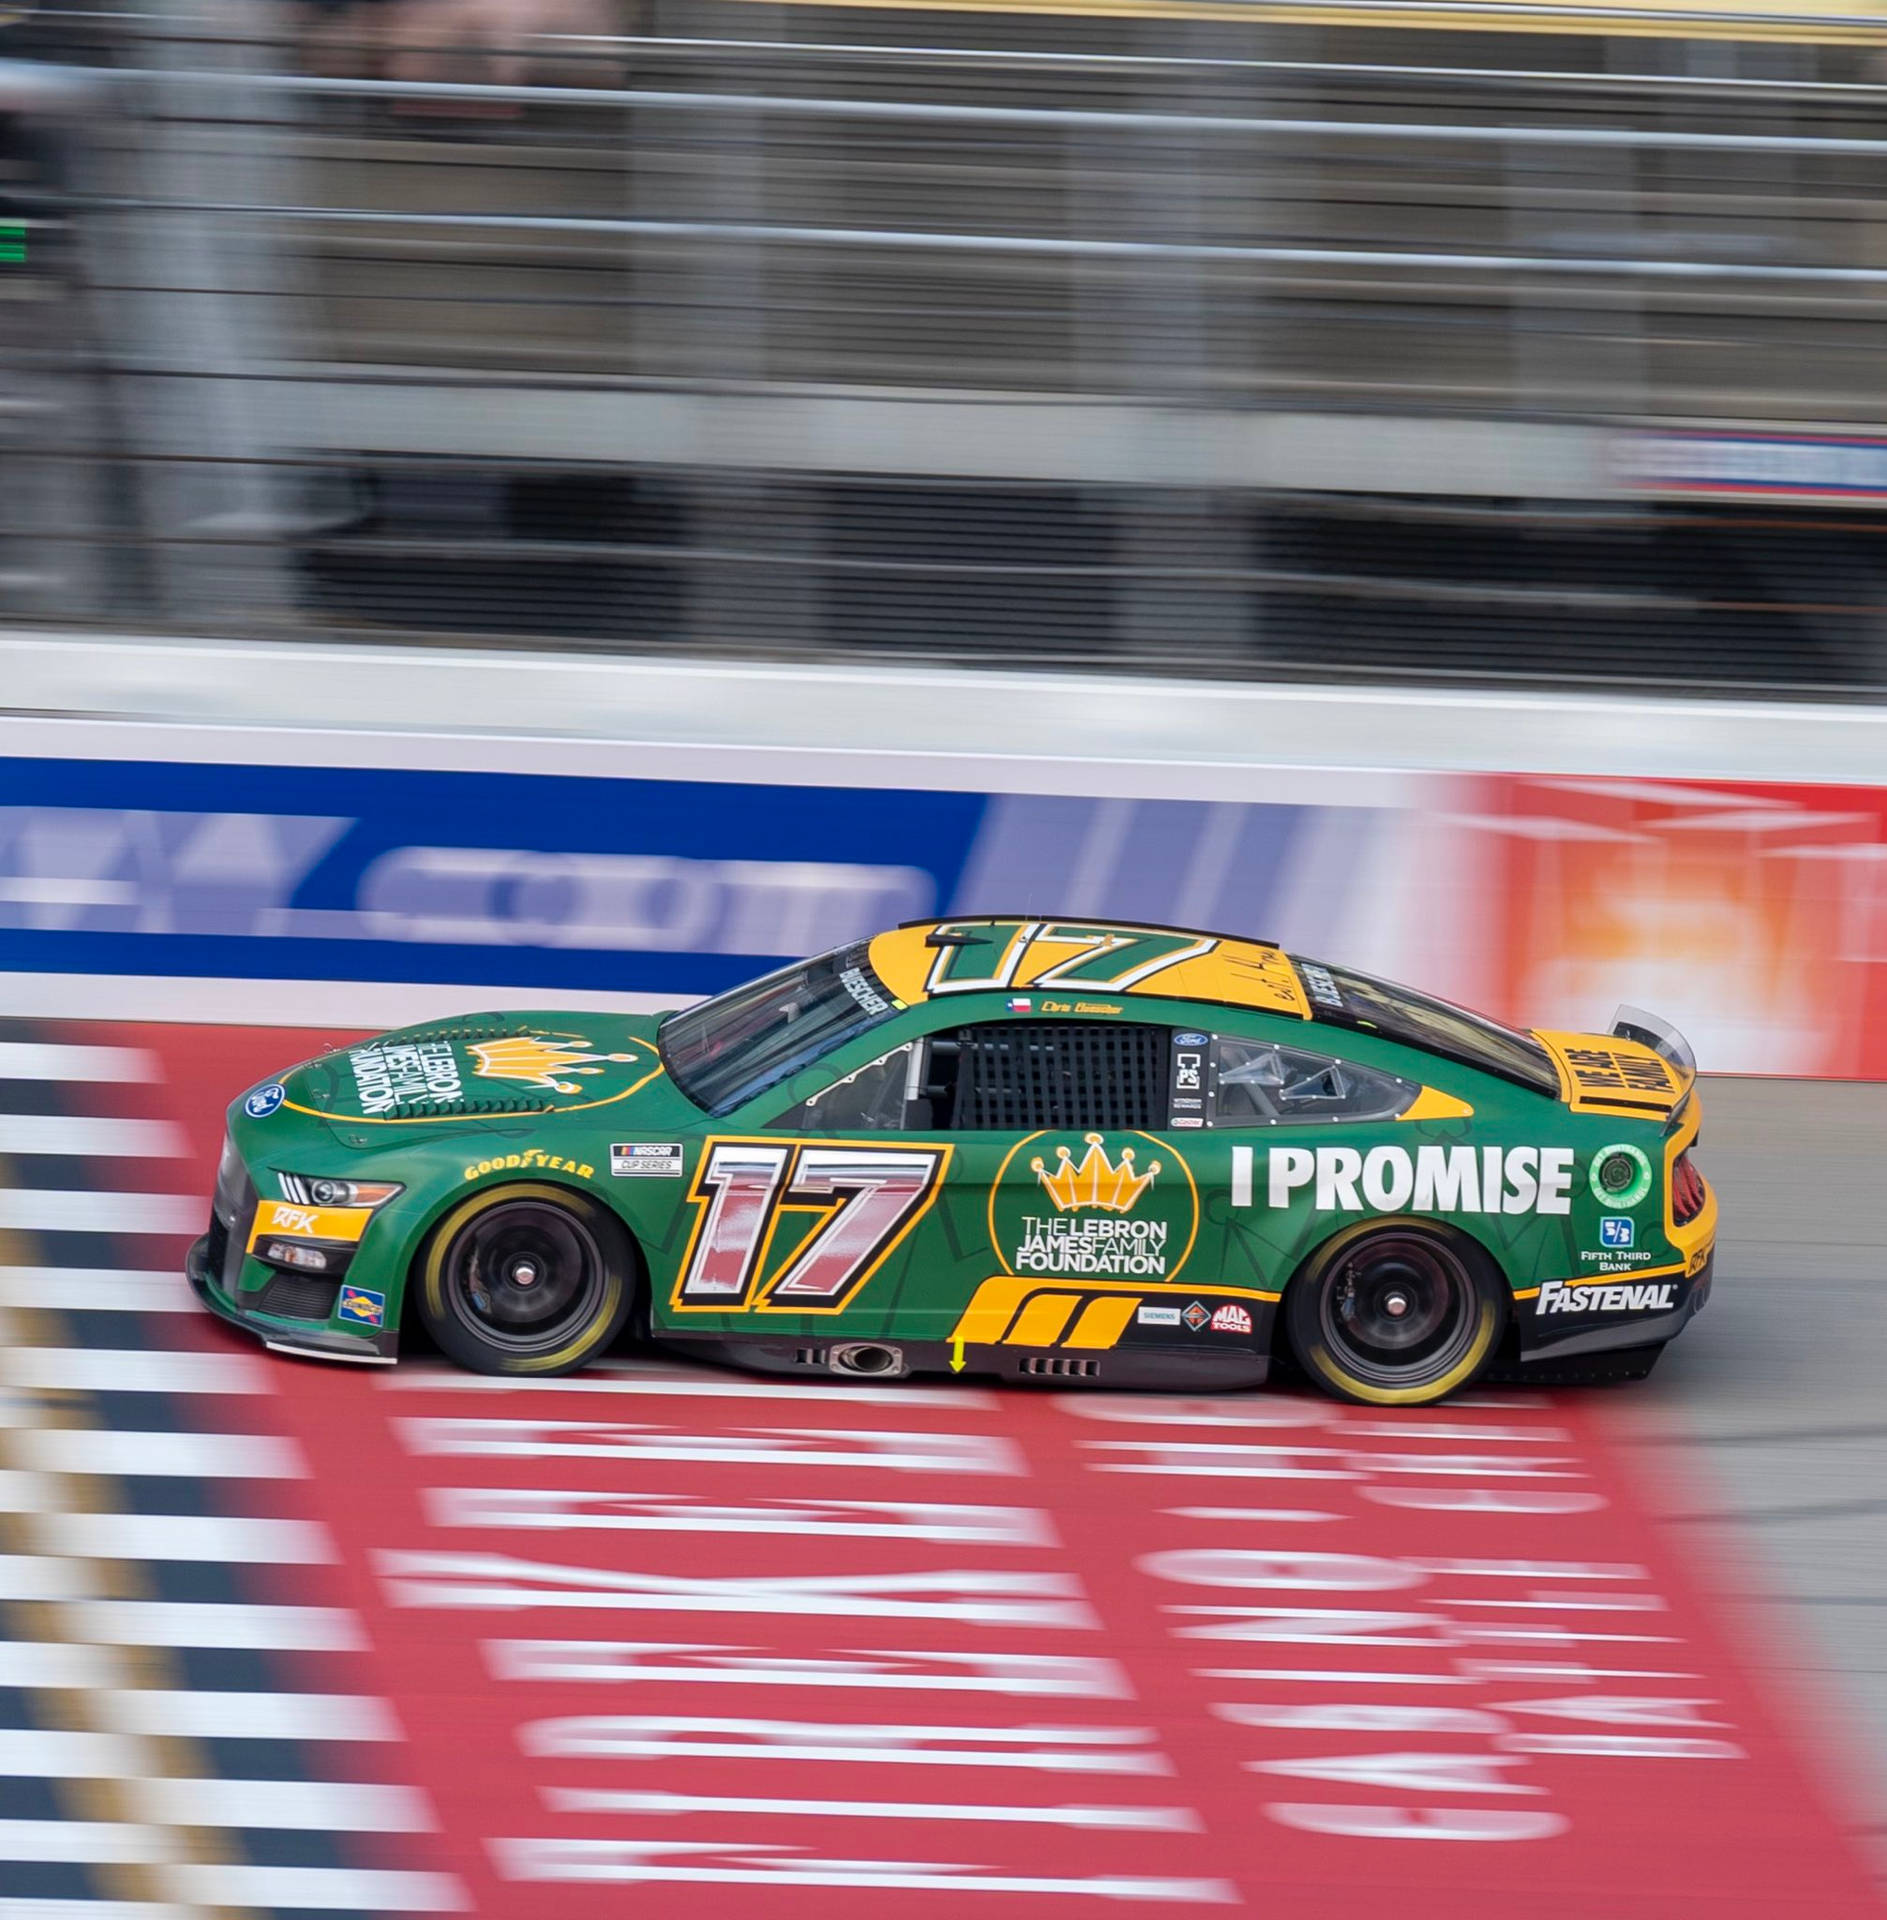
(1122, 1155)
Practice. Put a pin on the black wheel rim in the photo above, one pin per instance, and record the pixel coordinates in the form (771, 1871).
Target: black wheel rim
(1400, 1311)
(524, 1276)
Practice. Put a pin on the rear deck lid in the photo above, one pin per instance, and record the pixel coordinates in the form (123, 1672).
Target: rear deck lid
(1611, 1073)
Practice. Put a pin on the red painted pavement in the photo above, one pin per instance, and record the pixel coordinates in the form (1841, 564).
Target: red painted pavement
(785, 1653)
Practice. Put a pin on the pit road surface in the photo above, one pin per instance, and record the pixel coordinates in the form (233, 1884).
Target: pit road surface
(289, 1638)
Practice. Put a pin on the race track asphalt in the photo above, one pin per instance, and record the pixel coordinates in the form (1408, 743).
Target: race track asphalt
(1765, 1427)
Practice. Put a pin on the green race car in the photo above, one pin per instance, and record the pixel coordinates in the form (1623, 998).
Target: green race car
(1114, 1155)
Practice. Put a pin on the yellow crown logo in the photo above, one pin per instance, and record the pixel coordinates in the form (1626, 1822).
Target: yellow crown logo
(538, 1061)
(1097, 1181)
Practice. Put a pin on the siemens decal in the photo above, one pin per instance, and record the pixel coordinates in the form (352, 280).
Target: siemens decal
(1429, 1180)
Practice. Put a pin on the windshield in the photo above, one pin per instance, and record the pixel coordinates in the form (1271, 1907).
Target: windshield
(738, 1044)
(1437, 1026)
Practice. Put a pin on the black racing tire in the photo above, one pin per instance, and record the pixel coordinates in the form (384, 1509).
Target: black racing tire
(1398, 1313)
(525, 1279)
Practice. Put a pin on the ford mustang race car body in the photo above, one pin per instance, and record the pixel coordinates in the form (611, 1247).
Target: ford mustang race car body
(1120, 1155)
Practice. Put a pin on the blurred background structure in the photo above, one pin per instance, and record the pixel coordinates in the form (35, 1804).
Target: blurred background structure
(1333, 337)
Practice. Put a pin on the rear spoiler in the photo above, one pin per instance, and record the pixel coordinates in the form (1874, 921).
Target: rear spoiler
(1633, 1023)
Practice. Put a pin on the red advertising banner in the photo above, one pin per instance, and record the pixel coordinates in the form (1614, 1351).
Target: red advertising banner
(1752, 916)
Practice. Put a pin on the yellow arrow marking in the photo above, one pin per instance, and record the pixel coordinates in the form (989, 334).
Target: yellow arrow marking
(956, 1354)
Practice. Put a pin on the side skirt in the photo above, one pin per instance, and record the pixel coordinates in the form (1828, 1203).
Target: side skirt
(1174, 1369)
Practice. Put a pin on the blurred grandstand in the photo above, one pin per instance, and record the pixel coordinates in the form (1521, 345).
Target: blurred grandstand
(1358, 337)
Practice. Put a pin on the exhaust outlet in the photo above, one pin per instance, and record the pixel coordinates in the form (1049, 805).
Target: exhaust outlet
(866, 1357)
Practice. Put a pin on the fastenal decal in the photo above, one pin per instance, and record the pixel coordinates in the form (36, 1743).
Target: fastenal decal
(1429, 1180)
(1591, 1296)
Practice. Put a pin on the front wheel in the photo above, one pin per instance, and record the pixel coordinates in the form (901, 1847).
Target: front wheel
(526, 1279)
(1396, 1315)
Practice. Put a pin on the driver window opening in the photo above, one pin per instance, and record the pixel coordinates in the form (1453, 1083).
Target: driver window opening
(874, 1098)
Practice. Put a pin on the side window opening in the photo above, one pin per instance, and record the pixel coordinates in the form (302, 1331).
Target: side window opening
(1259, 1083)
(874, 1098)
(1020, 1076)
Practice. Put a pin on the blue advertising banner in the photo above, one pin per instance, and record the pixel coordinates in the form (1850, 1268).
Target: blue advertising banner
(622, 885)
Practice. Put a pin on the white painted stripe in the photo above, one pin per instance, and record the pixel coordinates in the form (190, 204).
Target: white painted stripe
(184, 1536)
(292, 703)
(55, 1753)
(364, 1006)
(59, 1210)
(61, 1663)
(94, 1910)
(84, 1134)
(209, 1623)
(325, 1806)
(661, 1380)
(245, 1716)
(209, 1456)
(98, 1289)
(22, 1492)
(87, 1842)
(29, 1576)
(36, 1060)
(131, 1370)
(389, 1890)
(609, 1800)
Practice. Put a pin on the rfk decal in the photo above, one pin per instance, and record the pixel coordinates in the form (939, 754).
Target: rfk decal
(870, 1197)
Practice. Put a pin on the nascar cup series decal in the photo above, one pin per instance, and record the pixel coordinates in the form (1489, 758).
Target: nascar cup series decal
(1109, 1207)
(1429, 1180)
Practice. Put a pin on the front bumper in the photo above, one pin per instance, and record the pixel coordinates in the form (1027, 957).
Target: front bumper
(214, 1267)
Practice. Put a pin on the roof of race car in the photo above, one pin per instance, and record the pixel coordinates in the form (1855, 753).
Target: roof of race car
(1083, 966)
(1083, 960)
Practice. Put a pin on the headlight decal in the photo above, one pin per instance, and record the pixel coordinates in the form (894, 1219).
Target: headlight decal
(323, 1190)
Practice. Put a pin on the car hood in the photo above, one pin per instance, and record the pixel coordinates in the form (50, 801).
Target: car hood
(1607, 1073)
(482, 1066)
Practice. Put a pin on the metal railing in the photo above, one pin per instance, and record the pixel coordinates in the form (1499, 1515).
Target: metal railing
(610, 362)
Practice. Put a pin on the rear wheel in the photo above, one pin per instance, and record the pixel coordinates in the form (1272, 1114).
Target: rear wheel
(1398, 1315)
(526, 1279)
